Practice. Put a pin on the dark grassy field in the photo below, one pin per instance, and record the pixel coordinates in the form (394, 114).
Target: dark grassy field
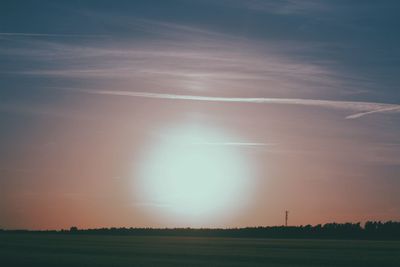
(80, 250)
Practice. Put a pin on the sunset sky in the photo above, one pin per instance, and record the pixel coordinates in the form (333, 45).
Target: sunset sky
(213, 113)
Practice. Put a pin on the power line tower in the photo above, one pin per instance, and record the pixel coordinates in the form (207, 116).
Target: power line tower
(286, 217)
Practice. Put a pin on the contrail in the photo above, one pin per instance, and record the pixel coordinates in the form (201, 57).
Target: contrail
(28, 34)
(395, 108)
(233, 144)
(363, 108)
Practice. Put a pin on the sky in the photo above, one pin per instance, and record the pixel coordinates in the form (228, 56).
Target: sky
(213, 113)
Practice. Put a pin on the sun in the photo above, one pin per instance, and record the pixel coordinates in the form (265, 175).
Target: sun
(193, 175)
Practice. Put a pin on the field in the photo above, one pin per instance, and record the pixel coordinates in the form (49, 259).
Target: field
(84, 250)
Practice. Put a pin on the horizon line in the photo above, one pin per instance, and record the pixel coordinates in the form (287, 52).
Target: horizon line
(194, 228)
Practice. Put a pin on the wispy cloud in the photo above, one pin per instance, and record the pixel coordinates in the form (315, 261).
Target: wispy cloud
(365, 108)
(280, 7)
(184, 58)
(184, 66)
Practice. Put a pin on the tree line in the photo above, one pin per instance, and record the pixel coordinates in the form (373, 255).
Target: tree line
(389, 230)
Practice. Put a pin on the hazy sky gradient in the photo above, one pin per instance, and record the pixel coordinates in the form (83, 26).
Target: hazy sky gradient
(306, 91)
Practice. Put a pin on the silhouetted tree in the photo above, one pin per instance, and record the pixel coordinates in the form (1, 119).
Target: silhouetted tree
(371, 230)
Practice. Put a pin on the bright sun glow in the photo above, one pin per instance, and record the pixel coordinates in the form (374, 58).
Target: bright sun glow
(194, 174)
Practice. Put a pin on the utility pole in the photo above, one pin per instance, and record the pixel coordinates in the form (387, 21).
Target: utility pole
(286, 217)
